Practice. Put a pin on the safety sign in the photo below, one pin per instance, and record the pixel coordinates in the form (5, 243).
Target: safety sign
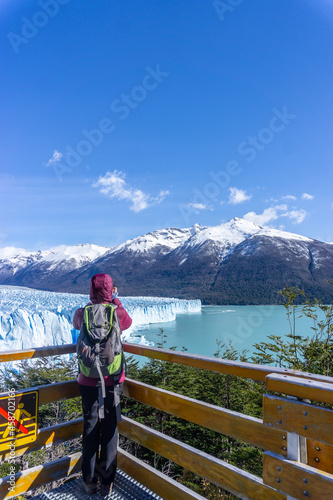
(18, 419)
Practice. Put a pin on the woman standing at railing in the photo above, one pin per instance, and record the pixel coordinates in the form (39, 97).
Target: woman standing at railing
(100, 353)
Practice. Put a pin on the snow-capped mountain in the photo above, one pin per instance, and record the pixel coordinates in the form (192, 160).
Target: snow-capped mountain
(219, 239)
(68, 258)
(19, 264)
(236, 262)
(158, 242)
(12, 260)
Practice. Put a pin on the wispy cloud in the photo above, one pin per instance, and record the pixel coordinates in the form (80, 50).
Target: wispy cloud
(199, 206)
(273, 213)
(289, 197)
(238, 196)
(306, 196)
(297, 216)
(113, 185)
(55, 158)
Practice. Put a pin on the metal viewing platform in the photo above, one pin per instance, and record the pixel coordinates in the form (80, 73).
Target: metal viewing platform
(124, 488)
(296, 436)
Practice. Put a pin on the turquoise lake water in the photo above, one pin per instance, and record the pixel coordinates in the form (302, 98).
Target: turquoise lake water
(242, 325)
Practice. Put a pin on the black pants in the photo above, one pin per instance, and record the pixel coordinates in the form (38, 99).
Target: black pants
(101, 465)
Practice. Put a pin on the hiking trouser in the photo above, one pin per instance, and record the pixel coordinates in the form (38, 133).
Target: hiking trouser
(97, 432)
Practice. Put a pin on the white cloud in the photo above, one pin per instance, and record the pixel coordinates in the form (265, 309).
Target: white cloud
(199, 207)
(306, 196)
(273, 213)
(297, 216)
(55, 158)
(281, 207)
(113, 185)
(238, 196)
(268, 215)
(289, 197)
(271, 200)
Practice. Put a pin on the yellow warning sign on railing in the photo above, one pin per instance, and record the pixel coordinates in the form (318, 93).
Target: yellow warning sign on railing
(18, 420)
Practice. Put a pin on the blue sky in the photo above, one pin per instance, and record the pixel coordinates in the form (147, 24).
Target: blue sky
(122, 117)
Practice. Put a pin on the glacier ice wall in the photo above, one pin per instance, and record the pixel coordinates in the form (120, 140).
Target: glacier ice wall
(33, 318)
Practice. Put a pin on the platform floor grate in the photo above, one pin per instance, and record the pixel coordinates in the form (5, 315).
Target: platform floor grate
(124, 488)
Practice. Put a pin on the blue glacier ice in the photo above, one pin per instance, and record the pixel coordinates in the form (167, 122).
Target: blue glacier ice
(34, 318)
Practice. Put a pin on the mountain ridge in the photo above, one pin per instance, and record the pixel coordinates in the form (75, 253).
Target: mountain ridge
(237, 262)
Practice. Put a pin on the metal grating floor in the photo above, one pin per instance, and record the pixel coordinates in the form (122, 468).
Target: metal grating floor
(124, 488)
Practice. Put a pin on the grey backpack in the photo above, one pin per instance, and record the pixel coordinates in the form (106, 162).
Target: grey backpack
(99, 347)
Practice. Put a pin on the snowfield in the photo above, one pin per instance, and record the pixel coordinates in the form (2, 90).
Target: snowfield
(33, 318)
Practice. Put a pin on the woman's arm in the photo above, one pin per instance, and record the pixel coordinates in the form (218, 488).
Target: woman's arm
(78, 318)
(124, 317)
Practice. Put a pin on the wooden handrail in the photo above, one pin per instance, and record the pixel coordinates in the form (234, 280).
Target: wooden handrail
(230, 423)
(42, 474)
(161, 484)
(37, 352)
(66, 431)
(296, 479)
(237, 368)
(302, 388)
(236, 425)
(50, 393)
(307, 420)
(215, 470)
(272, 437)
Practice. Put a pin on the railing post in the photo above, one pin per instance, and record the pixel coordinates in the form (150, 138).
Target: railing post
(293, 448)
(296, 448)
(304, 424)
(293, 451)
